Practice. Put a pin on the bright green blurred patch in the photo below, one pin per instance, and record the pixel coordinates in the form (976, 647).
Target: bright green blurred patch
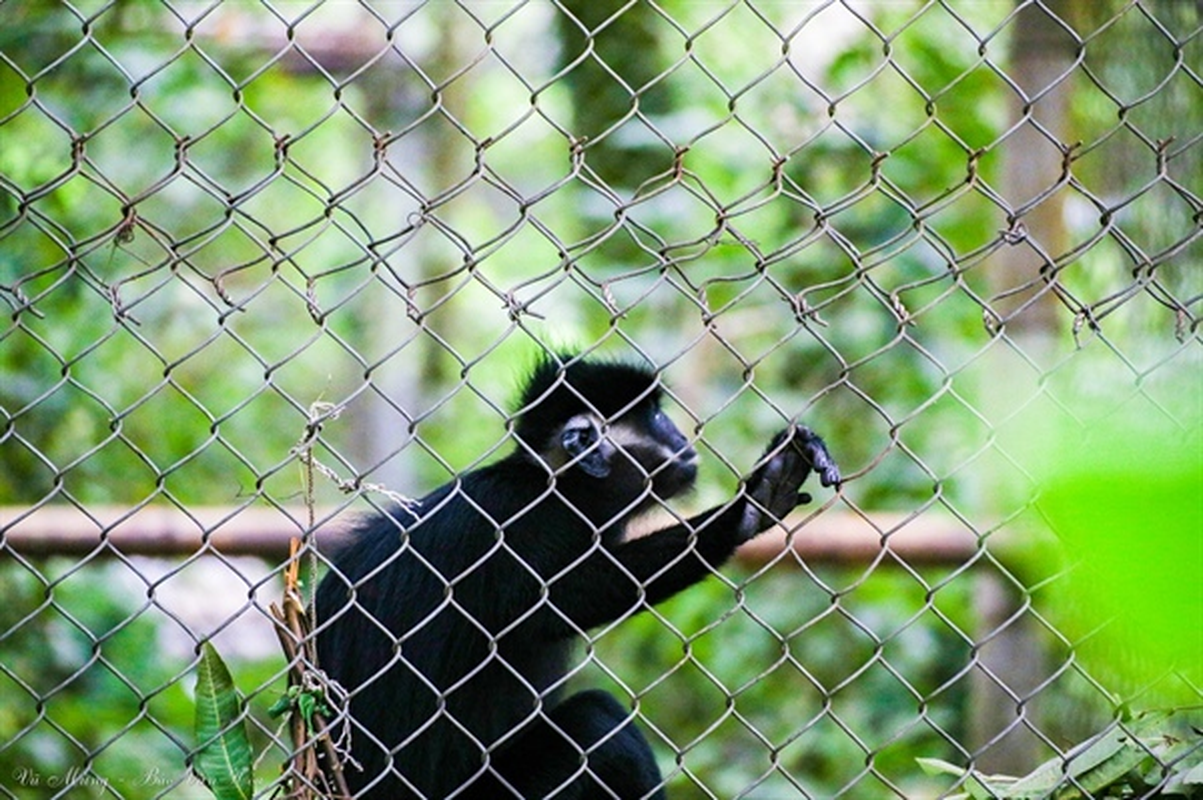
(1127, 500)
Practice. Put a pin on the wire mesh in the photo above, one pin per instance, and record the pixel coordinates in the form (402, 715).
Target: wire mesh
(294, 259)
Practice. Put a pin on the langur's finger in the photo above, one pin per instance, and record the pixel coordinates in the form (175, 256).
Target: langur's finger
(761, 489)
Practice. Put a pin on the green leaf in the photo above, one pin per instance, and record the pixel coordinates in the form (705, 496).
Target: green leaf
(977, 786)
(223, 756)
(1094, 767)
(1193, 776)
(937, 766)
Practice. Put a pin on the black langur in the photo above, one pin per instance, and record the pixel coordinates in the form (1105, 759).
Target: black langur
(450, 623)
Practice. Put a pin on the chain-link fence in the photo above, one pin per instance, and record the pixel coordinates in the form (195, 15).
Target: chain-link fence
(267, 265)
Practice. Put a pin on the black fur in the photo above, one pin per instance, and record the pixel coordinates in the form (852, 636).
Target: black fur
(604, 388)
(451, 623)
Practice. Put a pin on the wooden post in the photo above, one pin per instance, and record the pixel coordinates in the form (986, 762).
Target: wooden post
(1011, 662)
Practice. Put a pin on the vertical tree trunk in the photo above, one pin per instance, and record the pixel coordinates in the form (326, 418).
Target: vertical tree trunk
(1012, 660)
(1042, 55)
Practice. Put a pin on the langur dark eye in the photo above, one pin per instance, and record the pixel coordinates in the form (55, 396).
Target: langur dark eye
(666, 432)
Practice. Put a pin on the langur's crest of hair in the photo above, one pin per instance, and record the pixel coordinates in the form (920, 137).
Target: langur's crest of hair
(562, 386)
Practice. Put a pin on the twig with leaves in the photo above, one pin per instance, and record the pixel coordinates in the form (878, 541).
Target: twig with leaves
(310, 700)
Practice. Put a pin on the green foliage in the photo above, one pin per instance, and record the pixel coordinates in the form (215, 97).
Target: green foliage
(793, 678)
(1122, 496)
(82, 656)
(1155, 752)
(306, 702)
(223, 756)
(89, 381)
(202, 344)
